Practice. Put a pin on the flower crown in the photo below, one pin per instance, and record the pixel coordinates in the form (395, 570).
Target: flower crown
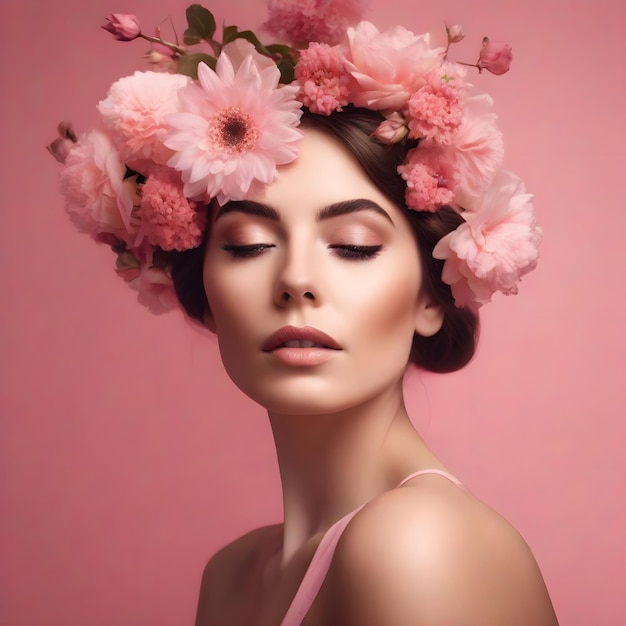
(207, 125)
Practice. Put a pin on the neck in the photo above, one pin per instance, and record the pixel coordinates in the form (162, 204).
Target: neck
(332, 463)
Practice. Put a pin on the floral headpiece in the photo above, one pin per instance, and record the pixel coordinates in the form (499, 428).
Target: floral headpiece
(207, 125)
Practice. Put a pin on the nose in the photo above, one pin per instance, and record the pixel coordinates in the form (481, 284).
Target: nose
(296, 282)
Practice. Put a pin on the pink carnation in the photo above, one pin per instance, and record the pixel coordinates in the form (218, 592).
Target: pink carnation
(388, 67)
(322, 78)
(97, 197)
(135, 111)
(430, 179)
(435, 110)
(302, 21)
(478, 146)
(169, 220)
(496, 246)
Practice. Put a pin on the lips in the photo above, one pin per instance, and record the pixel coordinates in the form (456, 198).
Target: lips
(294, 337)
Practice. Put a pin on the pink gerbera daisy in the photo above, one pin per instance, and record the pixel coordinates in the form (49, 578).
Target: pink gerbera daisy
(233, 127)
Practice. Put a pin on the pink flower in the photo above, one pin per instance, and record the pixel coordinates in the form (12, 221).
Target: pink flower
(154, 284)
(162, 63)
(123, 26)
(233, 128)
(168, 219)
(97, 197)
(478, 146)
(302, 21)
(322, 78)
(430, 179)
(135, 110)
(496, 246)
(455, 33)
(61, 146)
(435, 110)
(495, 57)
(392, 130)
(387, 67)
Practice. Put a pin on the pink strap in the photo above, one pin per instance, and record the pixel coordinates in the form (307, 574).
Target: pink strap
(320, 563)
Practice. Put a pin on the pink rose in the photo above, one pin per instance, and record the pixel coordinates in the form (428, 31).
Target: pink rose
(123, 26)
(478, 147)
(495, 57)
(153, 284)
(155, 289)
(496, 246)
(98, 198)
(387, 67)
(135, 110)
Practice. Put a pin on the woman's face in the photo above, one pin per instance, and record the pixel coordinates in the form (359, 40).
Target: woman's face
(314, 286)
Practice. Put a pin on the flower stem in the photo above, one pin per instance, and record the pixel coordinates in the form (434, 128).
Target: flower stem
(480, 69)
(172, 46)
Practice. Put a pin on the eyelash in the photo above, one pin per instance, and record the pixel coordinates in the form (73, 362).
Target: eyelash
(356, 253)
(344, 251)
(245, 252)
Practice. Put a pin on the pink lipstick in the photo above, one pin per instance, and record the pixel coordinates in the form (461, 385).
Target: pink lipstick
(301, 347)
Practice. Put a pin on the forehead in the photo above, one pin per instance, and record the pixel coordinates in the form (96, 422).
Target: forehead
(324, 172)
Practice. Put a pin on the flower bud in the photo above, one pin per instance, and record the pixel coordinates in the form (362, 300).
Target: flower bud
(495, 57)
(160, 62)
(392, 130)
(62, 145)
(123, 26)
(455, 33)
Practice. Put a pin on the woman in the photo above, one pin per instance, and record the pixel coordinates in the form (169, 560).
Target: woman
(319, 264)
(320, 295)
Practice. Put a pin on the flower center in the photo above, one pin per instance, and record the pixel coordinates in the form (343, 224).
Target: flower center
(232, 131)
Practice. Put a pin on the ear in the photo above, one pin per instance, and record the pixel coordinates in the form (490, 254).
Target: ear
(428, 316)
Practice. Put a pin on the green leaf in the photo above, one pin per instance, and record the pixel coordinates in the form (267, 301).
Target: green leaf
(280, 50)
(232, 32)
(287, 70)
(201, 25)
(188, 63)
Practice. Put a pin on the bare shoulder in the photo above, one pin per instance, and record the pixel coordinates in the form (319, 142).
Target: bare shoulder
(431, 553)
(227, 569)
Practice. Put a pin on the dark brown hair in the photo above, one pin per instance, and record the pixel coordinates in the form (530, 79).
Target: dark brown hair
(454, 344)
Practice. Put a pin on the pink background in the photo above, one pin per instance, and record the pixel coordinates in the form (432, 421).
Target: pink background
(128, 457)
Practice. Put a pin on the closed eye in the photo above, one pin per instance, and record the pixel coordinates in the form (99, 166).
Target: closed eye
(246, 251)
(354, 252)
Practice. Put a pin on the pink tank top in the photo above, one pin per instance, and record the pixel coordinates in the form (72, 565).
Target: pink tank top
(320, 563)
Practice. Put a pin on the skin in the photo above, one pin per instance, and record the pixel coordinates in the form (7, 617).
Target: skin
(425, 553)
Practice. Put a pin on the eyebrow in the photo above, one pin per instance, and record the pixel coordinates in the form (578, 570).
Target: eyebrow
(336, 209)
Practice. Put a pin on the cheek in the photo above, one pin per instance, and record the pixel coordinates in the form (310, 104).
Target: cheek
(388, 299)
